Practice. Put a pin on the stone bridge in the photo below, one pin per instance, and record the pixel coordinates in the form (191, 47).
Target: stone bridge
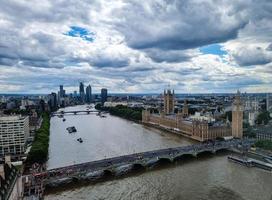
(111, 166)
(74, 112)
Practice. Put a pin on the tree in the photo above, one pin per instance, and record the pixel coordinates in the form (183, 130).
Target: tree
(263, 118)
(228, 115)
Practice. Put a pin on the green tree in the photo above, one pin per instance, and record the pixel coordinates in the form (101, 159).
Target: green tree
(263, 117)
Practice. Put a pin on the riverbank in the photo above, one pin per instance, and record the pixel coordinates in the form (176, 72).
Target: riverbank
(264, 144)
(39, 150)
(133, 114)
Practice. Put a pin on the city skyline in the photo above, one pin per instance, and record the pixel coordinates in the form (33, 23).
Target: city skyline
(52, 43)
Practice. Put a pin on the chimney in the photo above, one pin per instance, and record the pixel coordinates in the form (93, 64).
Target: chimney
(8, 160)
(2, 171)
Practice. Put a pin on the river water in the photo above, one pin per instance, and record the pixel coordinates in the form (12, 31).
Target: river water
(206, 178)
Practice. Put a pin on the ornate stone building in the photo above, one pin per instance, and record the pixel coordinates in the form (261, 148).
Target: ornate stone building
(169, 101)
(237, 117)
(197, 129)
(185, 109)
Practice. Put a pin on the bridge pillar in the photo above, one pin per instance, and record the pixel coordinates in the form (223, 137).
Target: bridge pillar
(195, 154)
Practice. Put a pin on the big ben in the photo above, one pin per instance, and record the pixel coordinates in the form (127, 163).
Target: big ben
(237, 117)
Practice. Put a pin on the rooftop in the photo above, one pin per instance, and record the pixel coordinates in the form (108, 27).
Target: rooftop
(11, 117)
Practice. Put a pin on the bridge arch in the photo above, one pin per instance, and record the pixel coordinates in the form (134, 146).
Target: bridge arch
(137, 167)
(221, 150)
(107, 173)
(186, 156)
(164, 160)
(205, 153)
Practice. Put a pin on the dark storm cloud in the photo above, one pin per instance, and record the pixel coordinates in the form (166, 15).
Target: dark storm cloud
(171, 56)
(179, 24)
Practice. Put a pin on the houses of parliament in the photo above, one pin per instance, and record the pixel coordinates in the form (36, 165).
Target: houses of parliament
(197, 129)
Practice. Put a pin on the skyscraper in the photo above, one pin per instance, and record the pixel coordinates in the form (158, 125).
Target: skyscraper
(104, 95)
(81, 92)
(61, 92)
(89, 94)
(53, 101)
(237, 117)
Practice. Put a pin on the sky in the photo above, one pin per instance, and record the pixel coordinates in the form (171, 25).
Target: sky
(195, 46)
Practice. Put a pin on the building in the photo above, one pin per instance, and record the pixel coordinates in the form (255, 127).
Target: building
(14, 131)
(263, 132)
(197, 127)
(237, 117)
(252, 116)
(61, 92)
(185, 109)
(268, 102)
(104, 95)
(200, 130)
(81, 92)
(88, 94)
(75, 94)
(53, 101)
(169, 101)
(10, 181)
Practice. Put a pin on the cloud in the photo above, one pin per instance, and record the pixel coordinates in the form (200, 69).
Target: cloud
(130, 46)
(178, 24)
(171, 56)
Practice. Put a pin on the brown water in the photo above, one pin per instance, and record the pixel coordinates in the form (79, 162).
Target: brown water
(206, 178)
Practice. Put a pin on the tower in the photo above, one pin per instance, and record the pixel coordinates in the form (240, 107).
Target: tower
(89, 94)
(185, 109)
(237, 117)
(169, 101)
(104, 95)
(81, 92)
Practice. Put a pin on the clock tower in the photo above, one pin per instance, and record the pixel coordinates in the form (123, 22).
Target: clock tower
(237, 117)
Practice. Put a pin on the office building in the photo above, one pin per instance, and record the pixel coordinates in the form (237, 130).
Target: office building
(53, 101)
(10, 181)
(81, 92)
(14, 131)
(88, 94)
(104, 95)
(61, 92)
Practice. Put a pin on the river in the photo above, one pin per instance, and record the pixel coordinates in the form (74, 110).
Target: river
(208, 178)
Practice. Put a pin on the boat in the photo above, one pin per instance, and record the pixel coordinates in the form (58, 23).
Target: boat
(71, 129)
(240, 161)
(80, 140)
(250, 162)
(63, 120)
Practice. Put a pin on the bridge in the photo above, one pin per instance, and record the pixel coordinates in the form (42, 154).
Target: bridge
(110, 166)
(74, 112)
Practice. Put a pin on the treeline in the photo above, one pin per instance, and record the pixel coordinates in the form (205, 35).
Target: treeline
(39, 149)
(264, 144)
(123, 111)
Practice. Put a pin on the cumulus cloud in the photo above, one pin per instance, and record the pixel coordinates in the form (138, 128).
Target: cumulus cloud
(131, 46)
(178, 24)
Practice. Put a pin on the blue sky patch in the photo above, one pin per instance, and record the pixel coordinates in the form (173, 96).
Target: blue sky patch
(215, 49)
(76, 31)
